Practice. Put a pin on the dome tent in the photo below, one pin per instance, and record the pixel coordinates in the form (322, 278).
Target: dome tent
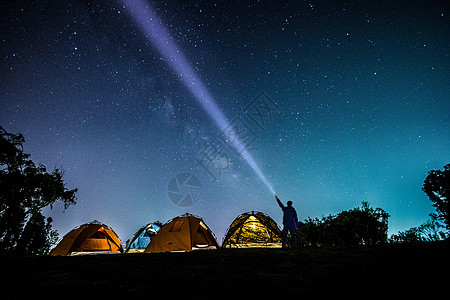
(253, 230)
(93, 237)
(183, 233)
(140, 240)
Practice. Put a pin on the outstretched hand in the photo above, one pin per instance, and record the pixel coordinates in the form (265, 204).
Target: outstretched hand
(276, 197)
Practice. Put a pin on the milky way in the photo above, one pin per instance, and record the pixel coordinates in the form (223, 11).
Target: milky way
(150, 24)
(337, 103)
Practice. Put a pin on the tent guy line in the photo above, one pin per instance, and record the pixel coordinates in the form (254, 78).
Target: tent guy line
(151, 25)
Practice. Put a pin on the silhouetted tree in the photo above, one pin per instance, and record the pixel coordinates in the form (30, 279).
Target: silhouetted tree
(24, 190)
(429, 231)
(359, 226)
(37, 236)
(437, 188)
(411, 235)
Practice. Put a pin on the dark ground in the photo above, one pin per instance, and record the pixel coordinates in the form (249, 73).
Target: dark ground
(386, 270)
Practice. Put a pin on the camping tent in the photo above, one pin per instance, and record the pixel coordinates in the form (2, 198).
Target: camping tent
(183, 233)
(91, 237)
(253, 229)
(142, 237)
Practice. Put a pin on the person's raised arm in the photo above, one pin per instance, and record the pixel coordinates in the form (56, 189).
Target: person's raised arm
(279, 202)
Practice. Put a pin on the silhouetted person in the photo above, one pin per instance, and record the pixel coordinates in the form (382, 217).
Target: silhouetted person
(290, 222)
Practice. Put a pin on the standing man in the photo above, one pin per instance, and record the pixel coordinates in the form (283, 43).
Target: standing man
(290, 222)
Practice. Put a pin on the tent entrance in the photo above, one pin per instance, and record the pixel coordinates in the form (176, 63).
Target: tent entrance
(99, 241)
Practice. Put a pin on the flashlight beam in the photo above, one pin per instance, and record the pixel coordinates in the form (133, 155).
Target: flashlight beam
(153, 29)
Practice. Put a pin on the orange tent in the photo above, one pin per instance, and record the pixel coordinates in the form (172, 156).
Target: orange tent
(183, 233)
(89, 237)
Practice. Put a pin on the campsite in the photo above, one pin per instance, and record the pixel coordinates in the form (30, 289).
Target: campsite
(224, 149)
(183, 233)
(183, 258)
(389, 269)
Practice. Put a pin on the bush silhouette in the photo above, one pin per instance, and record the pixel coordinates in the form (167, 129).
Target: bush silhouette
(359, 226)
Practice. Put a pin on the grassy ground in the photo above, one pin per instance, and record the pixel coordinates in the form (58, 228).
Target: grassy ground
(354, 271)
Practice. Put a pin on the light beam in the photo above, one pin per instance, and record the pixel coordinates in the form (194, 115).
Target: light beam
(151, 25)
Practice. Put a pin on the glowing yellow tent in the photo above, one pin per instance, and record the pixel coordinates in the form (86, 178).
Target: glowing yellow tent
(253, 230)
(91, 237)
(183, 233)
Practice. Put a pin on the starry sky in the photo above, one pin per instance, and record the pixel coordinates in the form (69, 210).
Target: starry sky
(353, 102)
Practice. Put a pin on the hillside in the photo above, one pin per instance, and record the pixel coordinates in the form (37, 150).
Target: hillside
(356, 271)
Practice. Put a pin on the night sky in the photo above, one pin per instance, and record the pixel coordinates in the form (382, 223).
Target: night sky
(338, 102)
